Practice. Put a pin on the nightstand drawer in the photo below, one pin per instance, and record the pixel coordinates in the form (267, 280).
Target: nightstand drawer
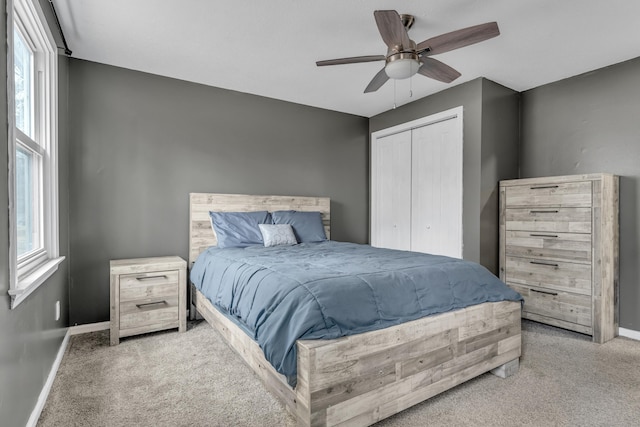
(142, 286)
(575, 194)
(151, 314)
(560, 220)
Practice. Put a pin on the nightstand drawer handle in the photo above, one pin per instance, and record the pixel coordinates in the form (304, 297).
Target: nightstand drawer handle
(151, 277)
(543, 235)
(544, 186)
(152, 303)
(543, 211)
(543, 292)
(544, 263)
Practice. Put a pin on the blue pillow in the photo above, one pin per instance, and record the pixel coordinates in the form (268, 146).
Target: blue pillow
(239, 229)
(307, 226)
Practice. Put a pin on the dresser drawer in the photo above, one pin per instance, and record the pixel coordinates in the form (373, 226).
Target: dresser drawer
(557, 275)
(535, 244)
(563, 306)
(560, 220)
(569, 194)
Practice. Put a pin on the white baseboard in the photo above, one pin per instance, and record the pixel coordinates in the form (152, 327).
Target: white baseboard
(629, 333)
(42, 399)
(89, 327)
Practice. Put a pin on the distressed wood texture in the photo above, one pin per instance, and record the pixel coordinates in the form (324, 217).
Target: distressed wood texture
(570, 308)
(201, 235)
(550, 220)
(147, 295)
(361, 379)
(556, 194)
(551, 274)
(546, 245)
(559, 248)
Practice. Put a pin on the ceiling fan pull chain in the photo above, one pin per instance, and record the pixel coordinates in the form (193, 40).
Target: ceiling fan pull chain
(394, 94)
(411, 87)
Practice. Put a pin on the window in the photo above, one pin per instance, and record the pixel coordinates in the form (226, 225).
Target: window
(33, 174)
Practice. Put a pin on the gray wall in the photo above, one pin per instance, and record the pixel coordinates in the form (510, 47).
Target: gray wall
(29, 335)
(499, 160)
(140, 143)
(591, 123)
(490, 131)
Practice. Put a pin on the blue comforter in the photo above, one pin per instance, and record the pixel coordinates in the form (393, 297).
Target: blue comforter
(331, 289)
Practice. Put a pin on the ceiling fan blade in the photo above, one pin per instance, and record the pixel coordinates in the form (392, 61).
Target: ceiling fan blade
(393, 32)
(352, 60)
(377, 81)
(459, 38)
(438, 70)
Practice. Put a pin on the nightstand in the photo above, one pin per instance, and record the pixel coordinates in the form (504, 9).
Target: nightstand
(147, 295)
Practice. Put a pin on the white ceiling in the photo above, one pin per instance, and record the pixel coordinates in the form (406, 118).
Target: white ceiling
(269, 48)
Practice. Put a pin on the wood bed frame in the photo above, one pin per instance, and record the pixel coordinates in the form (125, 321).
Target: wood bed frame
(361, 379)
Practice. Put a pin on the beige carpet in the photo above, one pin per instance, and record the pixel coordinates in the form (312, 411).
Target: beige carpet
(194, 379)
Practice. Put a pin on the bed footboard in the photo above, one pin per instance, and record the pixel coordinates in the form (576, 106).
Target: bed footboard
(361, 379)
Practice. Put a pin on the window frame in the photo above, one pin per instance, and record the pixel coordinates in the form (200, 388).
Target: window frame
(28, 272)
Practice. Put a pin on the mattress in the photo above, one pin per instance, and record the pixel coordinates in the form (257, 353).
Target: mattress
(330, 289)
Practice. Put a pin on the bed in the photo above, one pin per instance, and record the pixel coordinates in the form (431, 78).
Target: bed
(363, 378)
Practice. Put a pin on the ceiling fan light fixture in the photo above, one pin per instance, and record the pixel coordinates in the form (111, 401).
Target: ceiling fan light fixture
(402, 65)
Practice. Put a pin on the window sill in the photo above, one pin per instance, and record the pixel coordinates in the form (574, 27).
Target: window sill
(31, 282)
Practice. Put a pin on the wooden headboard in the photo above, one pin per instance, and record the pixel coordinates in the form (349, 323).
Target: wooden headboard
(201, 235)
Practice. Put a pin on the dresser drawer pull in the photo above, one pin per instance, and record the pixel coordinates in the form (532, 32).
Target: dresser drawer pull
(152, 303)
(543, 235)
(544, 263)
(544, 186)
(151, 277)
(544, 292)
(543, 211)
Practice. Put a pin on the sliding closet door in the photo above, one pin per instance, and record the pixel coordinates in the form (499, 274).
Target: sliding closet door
(391, 191)
(436, 218)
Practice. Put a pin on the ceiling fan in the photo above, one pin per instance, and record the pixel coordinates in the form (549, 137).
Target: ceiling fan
(405, 58)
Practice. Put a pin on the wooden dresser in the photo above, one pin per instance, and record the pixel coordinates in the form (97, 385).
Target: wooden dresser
(147, 294)
(559, 249)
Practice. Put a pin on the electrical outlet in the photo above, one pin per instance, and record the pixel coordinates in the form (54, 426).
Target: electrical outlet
(57, 310)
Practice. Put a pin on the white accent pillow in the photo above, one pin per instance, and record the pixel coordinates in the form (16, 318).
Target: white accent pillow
(277, 234)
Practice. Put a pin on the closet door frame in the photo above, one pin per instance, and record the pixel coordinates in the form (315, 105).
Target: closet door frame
(453, 113)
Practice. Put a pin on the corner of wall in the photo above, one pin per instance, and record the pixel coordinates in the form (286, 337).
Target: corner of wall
(500, 128)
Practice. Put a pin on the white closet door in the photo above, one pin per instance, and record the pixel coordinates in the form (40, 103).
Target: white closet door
(436, 219)
(391, 191)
